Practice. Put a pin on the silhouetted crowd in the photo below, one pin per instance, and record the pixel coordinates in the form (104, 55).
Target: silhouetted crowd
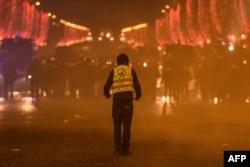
(225, 75)
(77, 78)
(9, 74)
(211, 75)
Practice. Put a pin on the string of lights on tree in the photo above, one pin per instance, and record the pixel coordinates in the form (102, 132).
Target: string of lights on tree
(136, 35)
(74, 33)
(198, 22)
(20, 18)
(190, 22)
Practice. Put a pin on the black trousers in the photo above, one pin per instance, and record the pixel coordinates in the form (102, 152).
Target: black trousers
(34, 89)
(122, 113)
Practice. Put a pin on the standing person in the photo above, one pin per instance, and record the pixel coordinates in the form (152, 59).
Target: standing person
(9, 76)
(34, 74)
(123, 82)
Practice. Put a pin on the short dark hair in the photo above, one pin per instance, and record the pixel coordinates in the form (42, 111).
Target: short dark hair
(122, 59)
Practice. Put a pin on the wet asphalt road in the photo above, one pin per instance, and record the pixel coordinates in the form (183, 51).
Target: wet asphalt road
(67, 132)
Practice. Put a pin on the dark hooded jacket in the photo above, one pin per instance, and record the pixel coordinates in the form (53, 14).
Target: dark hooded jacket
(122, 59)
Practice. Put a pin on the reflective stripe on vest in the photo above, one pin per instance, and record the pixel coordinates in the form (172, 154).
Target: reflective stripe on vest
(123, 80)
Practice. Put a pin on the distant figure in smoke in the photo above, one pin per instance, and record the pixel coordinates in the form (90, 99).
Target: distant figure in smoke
(123, 81)
(9, 76)
(34, 75)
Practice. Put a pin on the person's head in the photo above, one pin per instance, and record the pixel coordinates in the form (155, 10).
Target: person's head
(122, 59)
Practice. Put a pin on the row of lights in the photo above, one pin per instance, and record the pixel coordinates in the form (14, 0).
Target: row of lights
(164, 10)
(232, 38)
(53, 16)
(102, 36)
(108, 35)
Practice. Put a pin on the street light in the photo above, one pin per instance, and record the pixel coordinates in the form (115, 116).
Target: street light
(108, 35)
(38, 3)
(105, 35)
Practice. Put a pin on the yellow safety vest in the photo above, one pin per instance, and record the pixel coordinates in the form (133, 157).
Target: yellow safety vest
(123, 80)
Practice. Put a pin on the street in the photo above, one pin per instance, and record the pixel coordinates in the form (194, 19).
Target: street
(67, 132)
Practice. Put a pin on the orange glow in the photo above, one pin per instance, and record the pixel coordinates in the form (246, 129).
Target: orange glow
(122, 38)
(38, 3)
(159, 48)
(99, 38)
(2, 107)
(71, 42)
(232, 38)
(165, 99)
(49, 14)
(231, 48)
(245, 46)
(53, 16)
(216, 100)
(108, 35)
(167, 7)
(243, 36)
(208, 41)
